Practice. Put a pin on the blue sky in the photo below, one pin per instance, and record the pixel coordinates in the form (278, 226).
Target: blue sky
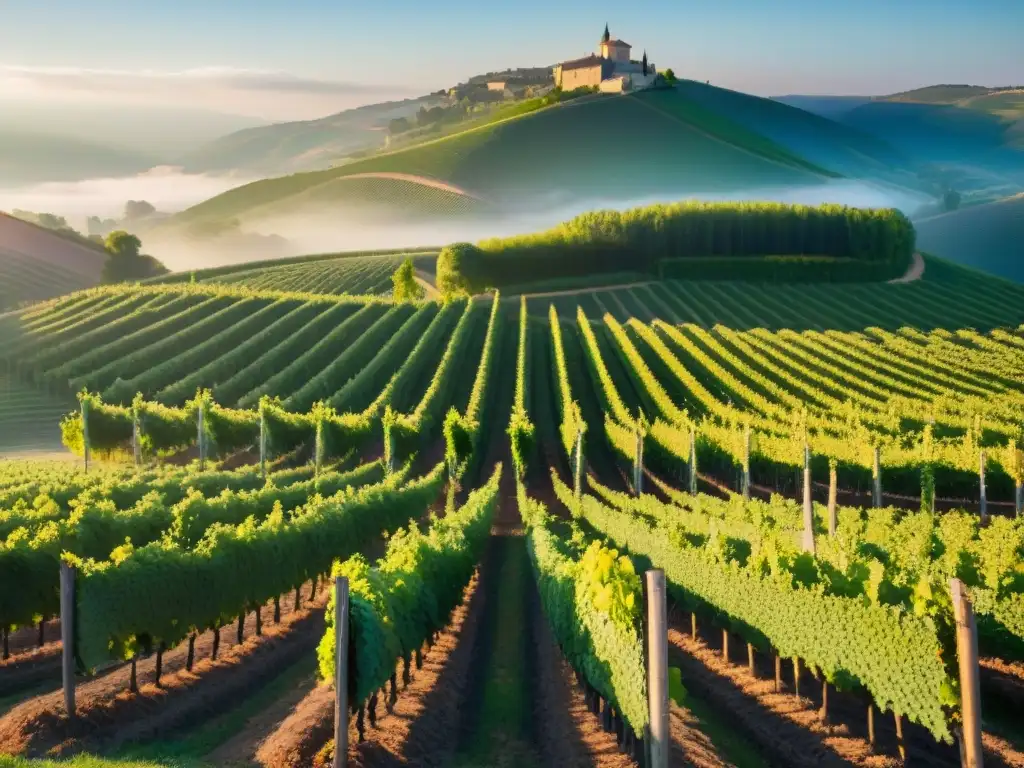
(383, 49)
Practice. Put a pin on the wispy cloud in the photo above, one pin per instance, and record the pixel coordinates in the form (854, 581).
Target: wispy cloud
(266, 94)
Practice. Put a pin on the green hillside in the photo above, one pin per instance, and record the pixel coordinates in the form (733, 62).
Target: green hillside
(303, 144)
(985, 236)
(972, 136)
(651, 143)
(824, 141)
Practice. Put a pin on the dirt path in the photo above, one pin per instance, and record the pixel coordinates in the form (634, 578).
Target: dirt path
(423, 181)
(241, 748)
(108, 715)
(426, 281)
(914, 272)
(788, 727)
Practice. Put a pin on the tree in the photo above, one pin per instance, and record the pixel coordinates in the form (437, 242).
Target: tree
(643, 62)
(125, 262)
(406, 289)
(670, 76)
(138, 209)
(453, 265)
(398, 125)
(121, 243)
(951, 199)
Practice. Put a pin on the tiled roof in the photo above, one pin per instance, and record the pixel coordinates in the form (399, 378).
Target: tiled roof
(616, 43)
(588, 61)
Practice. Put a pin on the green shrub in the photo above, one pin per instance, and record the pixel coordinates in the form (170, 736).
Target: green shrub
(455, 265)
(641, 238)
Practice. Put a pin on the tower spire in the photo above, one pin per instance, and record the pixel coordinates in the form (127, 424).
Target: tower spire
(607, 35)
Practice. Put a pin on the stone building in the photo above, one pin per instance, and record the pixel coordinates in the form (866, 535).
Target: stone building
(610, 69)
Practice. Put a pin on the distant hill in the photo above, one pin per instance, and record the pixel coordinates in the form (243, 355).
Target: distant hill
(301, 145)
(987, 237)
(826, 106)
(155, 131)
(37, 263)
(948, 94)
(34, 157)
(833, 145)
(970, 137)
(600, 147)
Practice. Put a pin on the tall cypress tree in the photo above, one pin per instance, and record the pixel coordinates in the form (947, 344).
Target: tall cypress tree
(644, 63)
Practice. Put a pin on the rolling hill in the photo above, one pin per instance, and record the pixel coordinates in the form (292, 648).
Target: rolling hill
(833, 145)
(301, 145)
(970, 137)
(825, 106)
(662, 143)
(36, 263)
(986, 237)
(31, 157)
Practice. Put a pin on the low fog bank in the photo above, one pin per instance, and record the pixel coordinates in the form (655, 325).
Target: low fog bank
(330, 230)
(327, 231)
(166, 187)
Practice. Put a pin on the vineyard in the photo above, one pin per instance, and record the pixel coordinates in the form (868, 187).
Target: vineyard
(360, 275)
(808, 465)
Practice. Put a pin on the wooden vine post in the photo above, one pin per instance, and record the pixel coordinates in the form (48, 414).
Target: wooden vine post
(136, 439)
(318, 448)
(693, 461)
(808, 535)
(657, 669)
(200, 426)
(746, 462)
(340, 671)
(833, 490)
(578, 468)
(85, 432)
(263, 444)
(876, 477)
(982, 496)
(67, 635)
(638, 462)
(970, 680)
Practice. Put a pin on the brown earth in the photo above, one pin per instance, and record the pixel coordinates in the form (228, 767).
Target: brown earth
(790, 729)
(419, 729)
(108, 715)
(241, 748)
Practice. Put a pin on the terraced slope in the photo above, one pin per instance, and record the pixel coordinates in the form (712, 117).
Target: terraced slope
(367, 275)
(30, 417)
(37, 264)
(948, 296)
(583, 147)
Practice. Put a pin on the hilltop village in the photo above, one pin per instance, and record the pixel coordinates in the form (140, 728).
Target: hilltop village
(610, 69)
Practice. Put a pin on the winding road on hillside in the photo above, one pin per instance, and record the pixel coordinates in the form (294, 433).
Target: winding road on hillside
(424, 181)
(914, 272)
